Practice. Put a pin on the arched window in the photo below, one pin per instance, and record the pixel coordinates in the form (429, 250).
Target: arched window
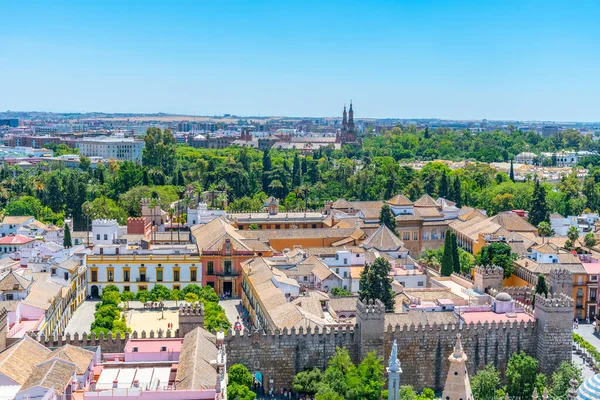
(105, 236)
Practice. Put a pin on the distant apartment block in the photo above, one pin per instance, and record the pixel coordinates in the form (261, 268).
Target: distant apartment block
(550, 130)
(10, 122)
(120, 149)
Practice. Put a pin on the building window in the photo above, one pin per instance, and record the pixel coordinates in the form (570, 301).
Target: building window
(126, 275)
(277, 226)
(415, 235)
(98, 236)
(94, 276)
(337, 271)
(176, 287)
(345, 261)
(420, 283)
(305, 278)
(314, 226)
(210, 268)
(126, 289)
(159, 275)
(110, 275)
(345, 274)
(227, 267)
(105, 236)
(580, 280)
(176, 275)
(53, 271)
(193, 275)
(406, 236)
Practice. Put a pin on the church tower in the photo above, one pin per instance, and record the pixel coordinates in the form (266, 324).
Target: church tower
(394, 372)
(348, 133)
(458, 385)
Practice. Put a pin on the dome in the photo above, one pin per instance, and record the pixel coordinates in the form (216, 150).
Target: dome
(589, 389)
(503, 296)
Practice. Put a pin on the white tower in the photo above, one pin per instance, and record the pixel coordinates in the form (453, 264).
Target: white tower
(394, 372)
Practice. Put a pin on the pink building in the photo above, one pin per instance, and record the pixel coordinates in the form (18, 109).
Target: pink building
(165, 368)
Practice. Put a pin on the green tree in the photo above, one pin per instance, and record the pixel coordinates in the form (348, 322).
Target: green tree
(191, 298)
(126, 297)
(542, 287)
(159, 150)
(386, 217)
(589, 240)
(544, 230)
(376, 283)
(538, 211)
(561, 379)
(573, 234)
(339, 292)
(498, 254)
(407, 393)
(240, 375)
(522, 376)
(239, 392)
(24, 206)
(176, 295)
(372, 380)
(308, 382)
(67, 242)
(341, 375)
(447, 257)
(486, 383)
(160, 292)
(511, 174)
(455, 256)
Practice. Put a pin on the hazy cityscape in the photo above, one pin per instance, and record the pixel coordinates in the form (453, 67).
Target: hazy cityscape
(315, 201)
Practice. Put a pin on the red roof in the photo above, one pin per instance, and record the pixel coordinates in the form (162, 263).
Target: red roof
(15, 239)
(490, 316)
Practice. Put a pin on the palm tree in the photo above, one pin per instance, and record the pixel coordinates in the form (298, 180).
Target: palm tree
(544, 229)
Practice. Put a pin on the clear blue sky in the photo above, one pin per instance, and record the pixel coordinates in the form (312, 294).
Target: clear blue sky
(504, 59)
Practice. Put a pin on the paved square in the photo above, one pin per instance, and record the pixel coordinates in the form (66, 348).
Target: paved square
(151, 320)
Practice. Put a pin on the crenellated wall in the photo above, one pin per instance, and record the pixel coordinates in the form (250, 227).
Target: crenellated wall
(280, 356)
(108, 343)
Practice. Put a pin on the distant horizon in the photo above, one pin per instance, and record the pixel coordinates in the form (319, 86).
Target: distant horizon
(233, 115)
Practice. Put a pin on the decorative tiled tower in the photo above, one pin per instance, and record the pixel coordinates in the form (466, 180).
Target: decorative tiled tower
(394, 372)
(458, 385)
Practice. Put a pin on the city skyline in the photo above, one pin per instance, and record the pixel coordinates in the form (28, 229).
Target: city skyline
(459, 61)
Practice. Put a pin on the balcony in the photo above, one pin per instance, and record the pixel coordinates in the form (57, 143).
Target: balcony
(142, 279)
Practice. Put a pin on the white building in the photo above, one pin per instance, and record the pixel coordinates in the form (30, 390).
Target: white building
(525, 158)
(201, 215)
(120, 149)
(11, 225)
(104, 231)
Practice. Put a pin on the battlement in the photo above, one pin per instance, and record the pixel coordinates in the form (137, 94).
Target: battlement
(322, 332)
(370, 307)
(486, 326)
(489, 270)
(146, 201)
(514, 290)
(554, 301)
(561, 273)
(110, 343)
(189, 309)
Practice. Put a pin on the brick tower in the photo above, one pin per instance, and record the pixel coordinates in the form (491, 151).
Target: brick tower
(554, 330)
(370, 318)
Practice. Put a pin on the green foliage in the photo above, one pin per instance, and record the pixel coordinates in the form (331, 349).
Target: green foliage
(191, 298)
(308, 382)
(176, 295)
(522, 376)
(215, 317)
(538, 211)
(542, 287)
(26, 205)
(105, 208)
(485, 383)
(339, 292)
(371, 378)
(107, 317)
(239, 392)
(160, 292)
(544, 229)
(455, 256)
(386, 217)
(376, 283)
(498, 254)
(126, 297)
(589, 348)
(159, 150)
(67, 242)
(561, 378)
(239, 374)
(589, 240)
(447, 261)
(573, 234)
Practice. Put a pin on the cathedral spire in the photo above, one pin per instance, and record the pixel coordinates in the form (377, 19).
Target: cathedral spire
(458, 385)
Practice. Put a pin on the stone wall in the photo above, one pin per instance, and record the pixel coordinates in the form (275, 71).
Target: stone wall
(281, 356)
(423, 350)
